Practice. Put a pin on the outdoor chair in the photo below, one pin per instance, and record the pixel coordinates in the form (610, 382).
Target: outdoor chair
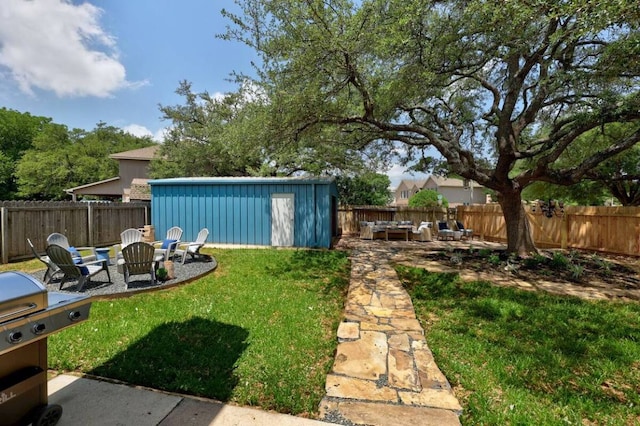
(466, 233)
(422, 233)
(128, 236)
(167, 246)
(75, 268)
(366, 230)
(138, 259)
(62, 241)
(52, 268)
(193, 248)
(444, 232)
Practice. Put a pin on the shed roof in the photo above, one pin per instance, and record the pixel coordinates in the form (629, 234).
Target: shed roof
(243, 180)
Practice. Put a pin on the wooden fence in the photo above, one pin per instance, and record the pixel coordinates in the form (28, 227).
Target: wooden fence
(606, 229)
(85, 224)
(349, 217)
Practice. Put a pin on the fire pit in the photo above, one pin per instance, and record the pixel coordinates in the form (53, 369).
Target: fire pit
(28, 315)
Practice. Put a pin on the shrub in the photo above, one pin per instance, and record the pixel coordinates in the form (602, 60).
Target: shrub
(559, 261)
(426, 198)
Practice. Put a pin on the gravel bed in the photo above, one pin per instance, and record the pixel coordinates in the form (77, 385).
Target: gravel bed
(99, 285)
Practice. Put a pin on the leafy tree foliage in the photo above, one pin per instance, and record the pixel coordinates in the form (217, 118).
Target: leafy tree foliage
(369, 189)
(585, 193)
(617, 177)
(17, 131)
(427, 198)
(61, 159)
(239, 134)
(473, 79)
(198, 143)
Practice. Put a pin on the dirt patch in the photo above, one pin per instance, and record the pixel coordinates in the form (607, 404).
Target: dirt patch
(577, 273)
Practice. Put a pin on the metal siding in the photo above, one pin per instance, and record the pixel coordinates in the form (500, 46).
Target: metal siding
(240, 212)
(224, 237)
(215, 213)
(303, 216)
(263, 215)
(237, 215)
(323, 214)
(251, 220)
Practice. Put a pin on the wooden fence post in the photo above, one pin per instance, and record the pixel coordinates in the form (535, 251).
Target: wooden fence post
(4, 226)
(564, 231)
(90, 223)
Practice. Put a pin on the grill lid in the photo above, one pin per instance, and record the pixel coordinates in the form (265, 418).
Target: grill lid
(20, 295)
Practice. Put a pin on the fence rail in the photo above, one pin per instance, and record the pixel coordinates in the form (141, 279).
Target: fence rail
(349, 217)
(605, 229)
(85, 224)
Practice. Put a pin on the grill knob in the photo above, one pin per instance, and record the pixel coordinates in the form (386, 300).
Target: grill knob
(15, 337)
(39, 328)
(74, 315)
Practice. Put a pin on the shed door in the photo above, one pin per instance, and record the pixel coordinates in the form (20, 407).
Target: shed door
(282, 214)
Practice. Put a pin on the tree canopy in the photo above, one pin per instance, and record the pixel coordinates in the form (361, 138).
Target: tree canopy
(61, 159)
(368, 189)
(238, 134)
(17, 131)
(427, 198)
(475, 80)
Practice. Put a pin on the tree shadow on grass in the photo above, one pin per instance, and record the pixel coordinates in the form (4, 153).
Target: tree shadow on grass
(330, 266)
(196, 357)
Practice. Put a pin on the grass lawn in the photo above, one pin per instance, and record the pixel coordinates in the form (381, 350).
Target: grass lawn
(258, 331)
(530, 358)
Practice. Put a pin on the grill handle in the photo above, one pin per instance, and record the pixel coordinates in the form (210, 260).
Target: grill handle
(25, 308)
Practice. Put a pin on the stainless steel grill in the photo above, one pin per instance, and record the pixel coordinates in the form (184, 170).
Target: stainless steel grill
(28, 315)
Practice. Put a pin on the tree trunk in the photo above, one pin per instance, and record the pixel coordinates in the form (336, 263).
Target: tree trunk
(519, 239)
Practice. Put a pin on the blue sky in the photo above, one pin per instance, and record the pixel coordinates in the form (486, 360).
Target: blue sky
(82, 62)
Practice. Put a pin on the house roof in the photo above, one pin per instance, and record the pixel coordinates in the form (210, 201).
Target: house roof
(91, 185)
(147, 153)
(449, 182)
(140, 189)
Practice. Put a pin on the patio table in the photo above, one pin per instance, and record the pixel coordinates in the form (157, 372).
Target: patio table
(400, 230)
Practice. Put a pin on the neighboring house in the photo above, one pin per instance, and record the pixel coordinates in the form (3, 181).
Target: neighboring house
(454, 190)
(130, 185)
(405, 190)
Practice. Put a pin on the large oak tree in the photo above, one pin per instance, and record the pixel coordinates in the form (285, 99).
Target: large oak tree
(474, 79)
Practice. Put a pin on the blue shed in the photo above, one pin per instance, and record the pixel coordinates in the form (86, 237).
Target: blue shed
(281, 212)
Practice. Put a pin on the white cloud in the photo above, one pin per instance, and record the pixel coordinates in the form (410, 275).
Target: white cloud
(141, 131)
(57, 46)
(137, 130)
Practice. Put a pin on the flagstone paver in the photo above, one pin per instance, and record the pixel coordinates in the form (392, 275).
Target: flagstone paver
(384, 372)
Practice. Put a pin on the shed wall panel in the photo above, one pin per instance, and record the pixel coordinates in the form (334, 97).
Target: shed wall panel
(240, 213)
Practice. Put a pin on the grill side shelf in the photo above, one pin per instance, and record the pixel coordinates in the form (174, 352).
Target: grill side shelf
(20, 381)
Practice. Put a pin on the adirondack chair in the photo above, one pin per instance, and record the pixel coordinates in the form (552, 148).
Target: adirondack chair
(128, 236)
(52, 268)
(167, 246)
(192, 248)
(62, 241)
(75, 268)
(138, 259)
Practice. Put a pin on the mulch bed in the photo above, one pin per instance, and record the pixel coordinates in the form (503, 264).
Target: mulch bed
(571, 267)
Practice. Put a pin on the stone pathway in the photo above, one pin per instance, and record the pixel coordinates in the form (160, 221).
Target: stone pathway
(384, 372)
